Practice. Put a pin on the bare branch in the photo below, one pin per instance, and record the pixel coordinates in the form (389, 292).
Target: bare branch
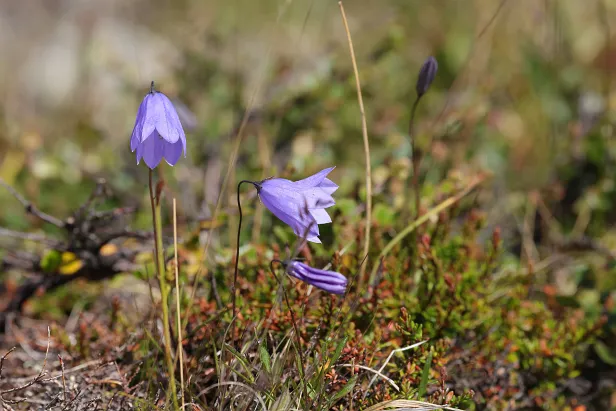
(39, 378)
(31, 208)
(4, 357)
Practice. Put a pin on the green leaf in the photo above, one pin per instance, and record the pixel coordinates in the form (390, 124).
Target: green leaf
(283, 402)
(348, 387)
(338, 351)
(248, 377)
(605, 354)
(51, 261)
(425, 375)
(265, 358)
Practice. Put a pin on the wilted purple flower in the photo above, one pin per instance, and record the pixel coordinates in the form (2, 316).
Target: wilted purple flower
(426, 75)
(300, 204)
(329, 281)
(158, 132)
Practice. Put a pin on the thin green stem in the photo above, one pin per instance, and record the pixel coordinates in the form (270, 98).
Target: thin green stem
(415, 157)
(164, 288)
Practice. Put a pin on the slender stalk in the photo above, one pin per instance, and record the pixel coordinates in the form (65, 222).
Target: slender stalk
(237, 257)
(177, 301)
(164, 289)
(415, 157)
(364, 129)
(294, 322)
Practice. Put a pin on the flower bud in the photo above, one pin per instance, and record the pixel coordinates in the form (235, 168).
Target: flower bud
(426, 75)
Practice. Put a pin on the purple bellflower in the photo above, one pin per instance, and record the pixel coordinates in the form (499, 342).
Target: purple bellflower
(300, 204)
(158, 132)
(329, 281)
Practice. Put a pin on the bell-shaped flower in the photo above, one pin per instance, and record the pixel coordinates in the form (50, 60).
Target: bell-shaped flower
(158, 132)
(300, 204)
(329, 281)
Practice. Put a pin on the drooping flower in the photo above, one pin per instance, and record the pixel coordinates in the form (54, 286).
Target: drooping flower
(158, 132)
(426, 75)
(300, 204)
(329, 281)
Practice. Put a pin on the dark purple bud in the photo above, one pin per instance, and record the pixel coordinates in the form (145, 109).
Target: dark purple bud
(329, 281)
(426, 75)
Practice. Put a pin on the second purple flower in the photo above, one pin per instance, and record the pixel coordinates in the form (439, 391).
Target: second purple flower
(300, 204)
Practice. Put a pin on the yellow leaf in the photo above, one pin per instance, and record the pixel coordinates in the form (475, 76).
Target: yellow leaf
(108, 249)
(70, 264)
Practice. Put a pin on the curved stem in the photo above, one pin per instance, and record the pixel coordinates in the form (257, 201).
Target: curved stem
(237, 257)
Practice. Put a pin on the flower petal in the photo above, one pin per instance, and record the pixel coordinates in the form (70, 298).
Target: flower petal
(293, 196)
(323, 276)
(172, 152)
(290, 215)
(151, 150)
(168, 123)
(328, 186)
(329, 281)
(315, 179)
(135, 137)
(148, 125)
(314, 239)
(317, 198)
(320, 216)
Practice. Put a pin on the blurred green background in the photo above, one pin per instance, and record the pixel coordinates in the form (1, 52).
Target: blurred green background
(520, 86)
(524, 91)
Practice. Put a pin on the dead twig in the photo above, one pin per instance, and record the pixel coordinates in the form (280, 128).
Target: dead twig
(63, 379)
(31, 208)
(39, 378)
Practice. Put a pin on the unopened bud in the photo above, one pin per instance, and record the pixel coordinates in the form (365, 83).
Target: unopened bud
(426, 75)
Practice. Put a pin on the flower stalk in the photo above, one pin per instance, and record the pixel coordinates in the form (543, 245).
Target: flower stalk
(164, 287)
(237, 257)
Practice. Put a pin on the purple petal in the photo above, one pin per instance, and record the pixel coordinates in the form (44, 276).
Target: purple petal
(291, 215)
(317, 198)
(152, 150)
(150, 116)
(320, 216)
(168, 123)
(313, 238)
(315, 179)
(135, 137)
(292, 196)
(160, 115)
(328, 186)
(172, 152)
